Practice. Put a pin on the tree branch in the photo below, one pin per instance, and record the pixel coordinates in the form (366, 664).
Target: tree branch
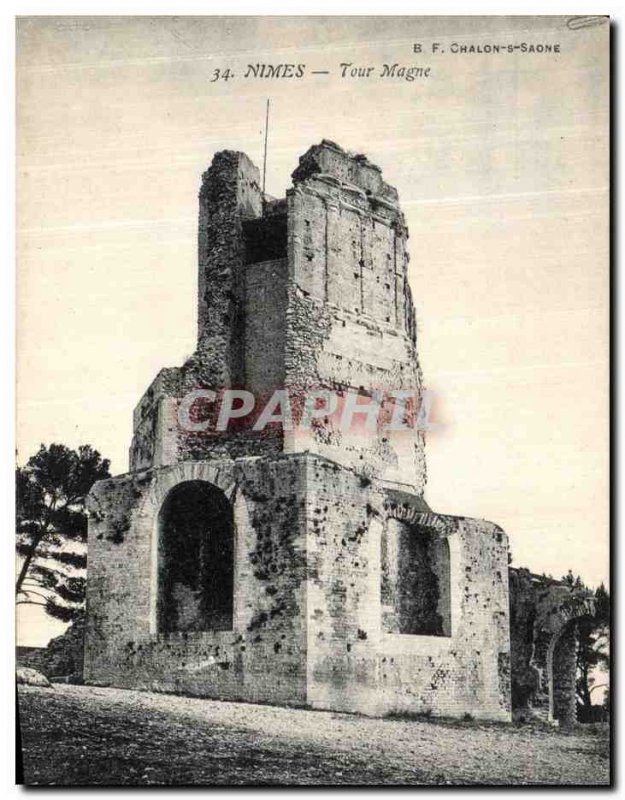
(30, 603)
(32, 591)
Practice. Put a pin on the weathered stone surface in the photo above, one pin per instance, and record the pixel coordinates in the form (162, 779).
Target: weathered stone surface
(64, 655)
(307, 622)
(354, 664)
(325, 305)
(31, 677)
(543, 613)
(348, 591)
(262, 656)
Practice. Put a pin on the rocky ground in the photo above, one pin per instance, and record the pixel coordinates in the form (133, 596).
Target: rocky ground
(79, 735)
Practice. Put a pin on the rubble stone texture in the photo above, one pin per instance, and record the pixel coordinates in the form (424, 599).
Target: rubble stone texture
(290, 567)
(543, 617)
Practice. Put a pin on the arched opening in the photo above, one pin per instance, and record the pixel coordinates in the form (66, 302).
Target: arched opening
(195, 559)
(415, 580)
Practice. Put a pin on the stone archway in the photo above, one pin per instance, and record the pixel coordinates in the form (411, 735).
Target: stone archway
(195, 559)
(544, 615)
(560, 666)
(222, 478)
(562, 675)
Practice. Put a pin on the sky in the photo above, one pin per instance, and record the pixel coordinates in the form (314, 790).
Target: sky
(501, 163)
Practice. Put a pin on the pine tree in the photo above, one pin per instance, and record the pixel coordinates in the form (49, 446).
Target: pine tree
(51, 526)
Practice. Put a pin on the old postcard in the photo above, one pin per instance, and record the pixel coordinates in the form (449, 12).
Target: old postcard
(313, 400)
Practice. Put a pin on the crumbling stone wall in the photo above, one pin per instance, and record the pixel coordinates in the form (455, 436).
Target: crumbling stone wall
(237, 334)
(348, 591)
(543, 612)
(229, 195)
(354, 664)
(262, 657)
(265, 327)
(564, 674)
(348, 261)
(61, 659)
(306, 292)
(308, 623)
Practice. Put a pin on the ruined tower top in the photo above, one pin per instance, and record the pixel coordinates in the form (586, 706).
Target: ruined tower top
(305, 292)
(328, 158)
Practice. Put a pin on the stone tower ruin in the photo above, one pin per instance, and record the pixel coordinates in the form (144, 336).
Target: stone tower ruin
(295, 566)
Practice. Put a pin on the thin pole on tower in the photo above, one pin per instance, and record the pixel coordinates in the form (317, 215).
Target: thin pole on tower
(265, 156)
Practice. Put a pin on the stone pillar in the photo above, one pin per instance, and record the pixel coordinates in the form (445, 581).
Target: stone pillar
(563, 700)
(389, 574)
(229, 194)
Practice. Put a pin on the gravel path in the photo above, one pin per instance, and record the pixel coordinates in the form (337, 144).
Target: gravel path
(84, 735)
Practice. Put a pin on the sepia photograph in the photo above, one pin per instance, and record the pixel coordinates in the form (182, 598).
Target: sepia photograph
(313, 401)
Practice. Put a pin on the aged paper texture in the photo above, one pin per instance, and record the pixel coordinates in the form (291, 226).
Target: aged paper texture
(313, 407)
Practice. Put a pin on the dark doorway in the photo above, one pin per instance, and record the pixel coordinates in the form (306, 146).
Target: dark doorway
(415, 588)
(195, 559)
